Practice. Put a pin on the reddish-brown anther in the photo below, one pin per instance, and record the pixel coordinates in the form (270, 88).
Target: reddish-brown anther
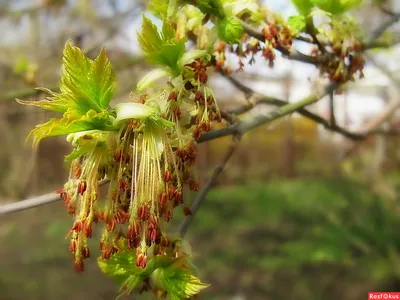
(198, 97)
(194, 185)
(106, 253)
(141, 259)
(162, 199)
(177, 113)
(101, 246)
(187, 211)
(164, 242)
(179, 196)
(110, 226)
(133, 242)
(78, 226)
(117, 155)
(122, 185)
(143, 212)
(123, 216)
(82, 187)
(73, 245)
(171, 193)
(133, 230)
(77, 171)
(79, 266)
(196, 133)
(203, 77)
(87, 229)
(206, 126)
(85, 252)
(167, 215)
(172, 96)
(167, 176)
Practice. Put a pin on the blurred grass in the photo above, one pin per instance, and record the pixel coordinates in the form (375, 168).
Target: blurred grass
(320, 238)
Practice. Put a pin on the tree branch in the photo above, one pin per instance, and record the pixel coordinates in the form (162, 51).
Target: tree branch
(203, 193)
(34, 202)
(255, 99)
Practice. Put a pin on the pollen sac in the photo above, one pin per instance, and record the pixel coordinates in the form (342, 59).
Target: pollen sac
(82, 187)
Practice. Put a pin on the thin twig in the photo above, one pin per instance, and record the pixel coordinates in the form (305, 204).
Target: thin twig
(202, 196)
(34, 202)
(257, 99)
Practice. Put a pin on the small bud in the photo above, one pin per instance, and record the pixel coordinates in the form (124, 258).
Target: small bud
(141, 259)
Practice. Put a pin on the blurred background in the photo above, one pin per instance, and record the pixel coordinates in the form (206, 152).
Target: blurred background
(298, 213)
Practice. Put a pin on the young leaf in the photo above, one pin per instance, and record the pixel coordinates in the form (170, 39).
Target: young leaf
(297, 23)
(336, 7)
(159, 8)
(162, 49)
(230, 30)
(89, 84)
(71, 122)
(212, 7)
(303, 6)
(177, 280)
(149, 39)
(122, 268)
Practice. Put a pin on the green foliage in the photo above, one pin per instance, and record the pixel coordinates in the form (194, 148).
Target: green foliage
(86, 90)
(177, 281)
(337, 6)
(303, 6)
(230, 30)
(297, 23)
(171, 275)
(161, 48)
(213, 7)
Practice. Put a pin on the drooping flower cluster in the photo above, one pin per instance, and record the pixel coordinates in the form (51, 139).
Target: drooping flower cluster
(145, 148)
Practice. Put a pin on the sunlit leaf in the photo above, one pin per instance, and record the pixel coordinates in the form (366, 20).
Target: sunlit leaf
(230, 30)
(303, 6)
(178, 280)
(89, 84)
(297, 23)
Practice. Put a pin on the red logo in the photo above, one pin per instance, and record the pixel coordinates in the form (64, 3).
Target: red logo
(383, 295)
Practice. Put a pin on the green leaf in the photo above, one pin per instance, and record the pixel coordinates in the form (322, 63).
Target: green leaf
(178, 280)
(169, 55)
(161, 48)
(304, 7)
(297, 23)
(336, 7)
(89, 84)
(212, 7)
(71, 122)
(230, 30)
(122, 268)
(159, 8)
(149, 38)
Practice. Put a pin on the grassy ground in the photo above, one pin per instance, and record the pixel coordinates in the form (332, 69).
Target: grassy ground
(303, 239)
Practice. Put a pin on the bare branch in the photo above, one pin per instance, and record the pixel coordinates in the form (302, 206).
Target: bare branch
(256, 99)
(202, 196)
(34, 202)
(384, 26)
